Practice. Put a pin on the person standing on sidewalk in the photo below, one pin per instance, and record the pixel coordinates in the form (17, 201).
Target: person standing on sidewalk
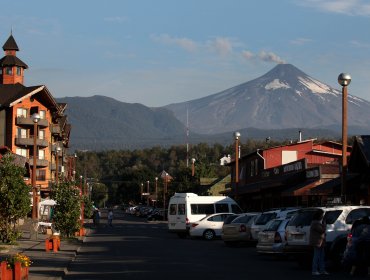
(110, 217)
(317, 241)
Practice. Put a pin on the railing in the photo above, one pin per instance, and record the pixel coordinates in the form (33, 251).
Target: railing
(21, 140)
(28, 121)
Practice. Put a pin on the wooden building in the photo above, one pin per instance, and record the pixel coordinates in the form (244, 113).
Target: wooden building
(17, 129)
(285, 175)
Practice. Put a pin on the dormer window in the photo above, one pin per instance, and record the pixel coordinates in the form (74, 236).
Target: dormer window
(9, 70)
(19, 71)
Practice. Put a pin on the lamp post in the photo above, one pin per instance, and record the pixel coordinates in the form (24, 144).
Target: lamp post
(57, 150)
(35, 118)
(141, 192)
(344, 80)
(236, 136)
(164, 196)
(147, 192)
(192, 167)
(156, 190)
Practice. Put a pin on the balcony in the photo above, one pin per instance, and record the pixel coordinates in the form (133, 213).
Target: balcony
(55, 130)
(21, 140)
(39, 162)
(24, 121)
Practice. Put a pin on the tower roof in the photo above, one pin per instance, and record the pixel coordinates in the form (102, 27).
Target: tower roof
(10, 44)
(10, 60)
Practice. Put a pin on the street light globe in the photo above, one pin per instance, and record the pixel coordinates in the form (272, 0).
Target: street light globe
(344, 79)
(237, 135)
(35, 117)
(193, 160)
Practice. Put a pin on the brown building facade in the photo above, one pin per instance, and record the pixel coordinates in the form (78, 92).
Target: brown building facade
(18, 103)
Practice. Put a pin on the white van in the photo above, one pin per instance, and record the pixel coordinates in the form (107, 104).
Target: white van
(186, 208)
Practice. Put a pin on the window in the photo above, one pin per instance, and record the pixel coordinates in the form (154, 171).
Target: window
(19, 71)
(173, 209)
(21, 152)
(9, 70)
(252, 169)
(42, 114)
(357, 214)
(243, 219)
(41, 134)
(331, 216)
(264, 218)
(222, 207)
(41, 174)
(41, 154)
(236, 209)
(217, 218)
(21, 112)
(197, 209)
(181, 209)
(21, 133)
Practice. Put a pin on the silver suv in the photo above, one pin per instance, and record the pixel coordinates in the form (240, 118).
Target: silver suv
(338, 220)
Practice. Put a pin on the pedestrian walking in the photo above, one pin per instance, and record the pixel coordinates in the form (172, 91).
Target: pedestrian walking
(110, 218)
(317, 241)
(97, 217)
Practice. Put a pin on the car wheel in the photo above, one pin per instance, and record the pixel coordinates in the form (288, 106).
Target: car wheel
(209, 234)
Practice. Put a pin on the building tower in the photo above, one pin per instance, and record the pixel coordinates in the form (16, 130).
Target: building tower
(11, 67)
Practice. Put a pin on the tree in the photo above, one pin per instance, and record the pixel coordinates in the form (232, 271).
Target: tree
(67, 210)
(14, 198)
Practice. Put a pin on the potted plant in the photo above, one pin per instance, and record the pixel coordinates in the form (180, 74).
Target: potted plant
(15, 267)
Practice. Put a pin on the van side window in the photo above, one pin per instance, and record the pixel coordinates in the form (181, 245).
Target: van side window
(199, 209)
(236, 209)
(173, 209)
(222, 207)
(181, 209)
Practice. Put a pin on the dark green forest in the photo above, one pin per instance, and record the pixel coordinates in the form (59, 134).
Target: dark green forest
(118, 176)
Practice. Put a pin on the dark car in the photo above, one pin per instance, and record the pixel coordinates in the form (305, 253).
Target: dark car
(356, 257)
(157, 215)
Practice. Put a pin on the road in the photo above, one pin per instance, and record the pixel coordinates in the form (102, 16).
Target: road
(136, 249)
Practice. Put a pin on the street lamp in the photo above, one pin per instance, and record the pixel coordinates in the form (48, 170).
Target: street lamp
(141, 192)
(147, 193)
(237, 137)
(57, 150)
(344, 80)
(35, 118)
(192, 167)
(164, 196)
(156, 190)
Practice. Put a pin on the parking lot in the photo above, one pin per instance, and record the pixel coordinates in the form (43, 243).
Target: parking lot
(137, 249)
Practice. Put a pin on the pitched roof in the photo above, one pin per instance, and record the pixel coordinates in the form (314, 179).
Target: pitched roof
(10, 44)
(11, 94)
(11, 60)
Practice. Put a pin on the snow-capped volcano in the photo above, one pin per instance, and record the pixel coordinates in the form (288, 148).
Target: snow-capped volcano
(285, 97)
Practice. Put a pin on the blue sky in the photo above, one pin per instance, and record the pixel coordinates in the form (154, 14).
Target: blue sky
(158, 52)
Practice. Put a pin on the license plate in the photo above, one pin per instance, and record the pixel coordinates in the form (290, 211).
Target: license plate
(298, 236)
(173, 224)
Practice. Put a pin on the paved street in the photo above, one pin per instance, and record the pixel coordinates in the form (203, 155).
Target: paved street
(137, 249)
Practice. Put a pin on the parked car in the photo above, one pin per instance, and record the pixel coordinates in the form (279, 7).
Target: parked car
(338, 219)
(238, 230)
(356, 257)
(271, 240)
(267, 216)
(157, 215)
(209, 227)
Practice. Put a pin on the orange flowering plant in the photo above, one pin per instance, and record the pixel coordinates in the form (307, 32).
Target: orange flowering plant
(19, 257)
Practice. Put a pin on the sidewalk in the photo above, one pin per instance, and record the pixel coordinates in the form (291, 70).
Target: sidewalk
(46, 265)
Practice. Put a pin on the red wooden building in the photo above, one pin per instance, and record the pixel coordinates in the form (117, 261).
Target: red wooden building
(284, 175)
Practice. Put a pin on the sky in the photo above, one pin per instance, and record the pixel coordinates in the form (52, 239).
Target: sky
(158, 52)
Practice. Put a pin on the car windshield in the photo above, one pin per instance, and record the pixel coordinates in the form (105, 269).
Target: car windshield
(273, 225)
(264, 218)
(229, 219)
(303, 218)
(242, 219)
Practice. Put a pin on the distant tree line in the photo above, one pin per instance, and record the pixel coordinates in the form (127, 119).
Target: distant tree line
(117, 176)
